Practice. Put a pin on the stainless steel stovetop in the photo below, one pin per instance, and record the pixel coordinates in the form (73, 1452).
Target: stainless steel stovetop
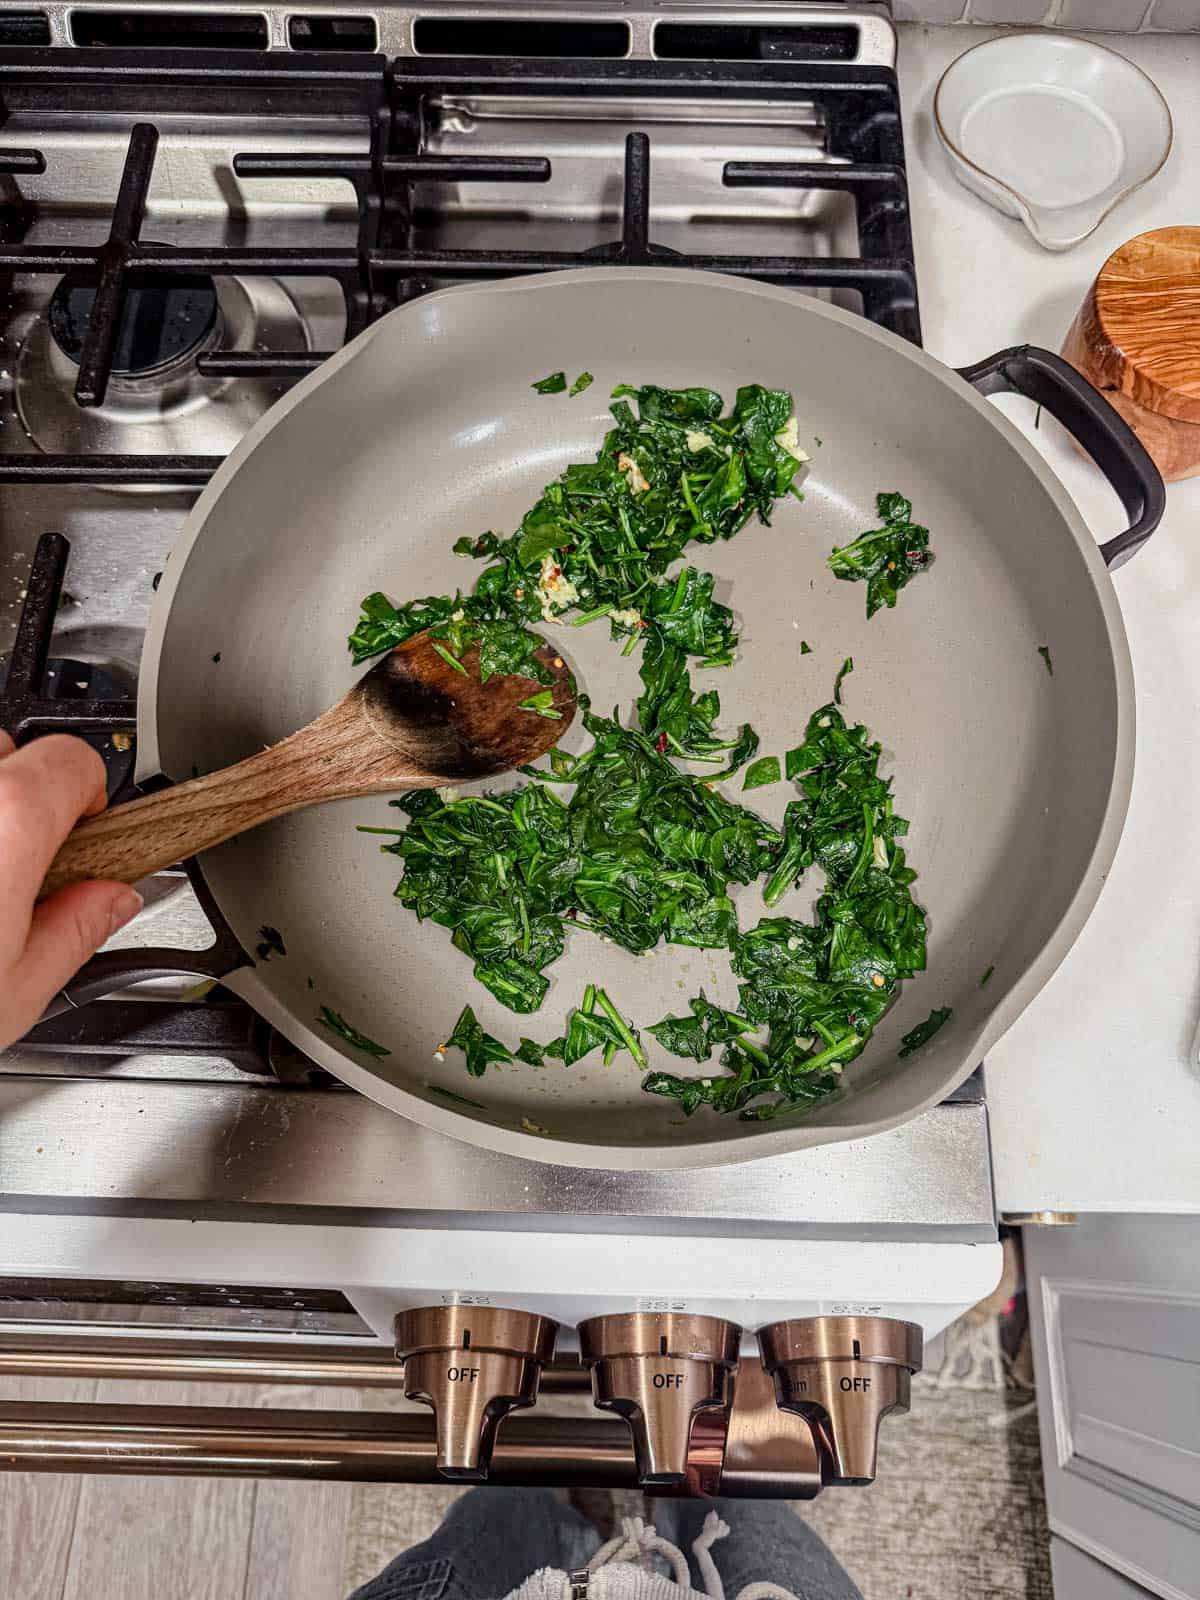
(123, 1118)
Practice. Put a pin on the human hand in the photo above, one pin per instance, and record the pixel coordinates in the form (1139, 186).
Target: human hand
(45, 788)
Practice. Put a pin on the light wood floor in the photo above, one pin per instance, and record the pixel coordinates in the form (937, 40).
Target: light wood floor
(115, 1538)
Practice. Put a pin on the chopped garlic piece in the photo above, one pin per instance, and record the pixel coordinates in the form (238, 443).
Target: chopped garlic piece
(879, 851)
(458, 616)
(788, 438)
(555, 591)
(439, 1055)
(638, 482)
(630, 618)
(447, 793)
(700, 441)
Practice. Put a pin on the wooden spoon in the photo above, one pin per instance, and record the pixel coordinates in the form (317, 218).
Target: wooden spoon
(413, 722)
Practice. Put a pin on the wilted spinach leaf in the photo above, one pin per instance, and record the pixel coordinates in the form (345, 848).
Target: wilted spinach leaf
(383, 625)
(698, 1035)
(885, 558)
(924, 1031)
(455, 1099)
(763, 771)
(271, 943)
(479, 1047)
(844, 671)
(336, 1023)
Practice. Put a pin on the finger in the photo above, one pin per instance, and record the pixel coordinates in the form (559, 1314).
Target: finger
(99, 802)
(7, 745)
(45, 787)
(65, 930)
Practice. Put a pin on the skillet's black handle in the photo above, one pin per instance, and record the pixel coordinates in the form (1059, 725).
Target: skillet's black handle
(1085, 413)
(113, 970)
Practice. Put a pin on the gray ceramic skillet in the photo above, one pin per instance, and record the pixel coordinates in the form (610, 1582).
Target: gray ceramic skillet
(426, 428)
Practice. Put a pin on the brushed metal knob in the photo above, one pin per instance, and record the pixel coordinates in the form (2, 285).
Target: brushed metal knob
(843, 1374)
(472, 1365)
(660, 1370)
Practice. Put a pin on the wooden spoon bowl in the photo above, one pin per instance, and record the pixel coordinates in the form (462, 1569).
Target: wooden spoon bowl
(414, 721)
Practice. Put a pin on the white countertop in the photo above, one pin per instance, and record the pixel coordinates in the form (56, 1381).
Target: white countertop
(1095, 1092)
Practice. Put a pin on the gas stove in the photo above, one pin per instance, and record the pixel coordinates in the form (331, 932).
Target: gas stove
(198, 208)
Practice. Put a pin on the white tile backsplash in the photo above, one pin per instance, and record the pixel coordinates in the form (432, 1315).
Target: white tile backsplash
(1029, 13)
(1111, 16)
(1079, 16)
(929, 10)
(1174, 16)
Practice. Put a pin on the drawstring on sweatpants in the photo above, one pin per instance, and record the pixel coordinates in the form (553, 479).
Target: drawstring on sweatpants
(635, 1544)
(639, 1541)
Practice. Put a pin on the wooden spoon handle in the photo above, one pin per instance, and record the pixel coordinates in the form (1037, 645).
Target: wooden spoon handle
(335, 756)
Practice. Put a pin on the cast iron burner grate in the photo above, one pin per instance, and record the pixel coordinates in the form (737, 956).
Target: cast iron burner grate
(40, 695)
(387, 265)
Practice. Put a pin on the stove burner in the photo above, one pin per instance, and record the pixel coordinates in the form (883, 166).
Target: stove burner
(157, 400)
(162, 322)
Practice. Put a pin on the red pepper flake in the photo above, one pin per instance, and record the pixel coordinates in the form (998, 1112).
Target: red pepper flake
(660, 744)
(558, 572)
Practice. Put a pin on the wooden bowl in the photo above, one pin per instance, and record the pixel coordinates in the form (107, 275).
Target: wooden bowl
(1137, 338)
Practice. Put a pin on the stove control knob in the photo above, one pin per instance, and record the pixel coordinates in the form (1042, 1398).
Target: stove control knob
(659, 1370)
(473, 1365)
(842, 1374)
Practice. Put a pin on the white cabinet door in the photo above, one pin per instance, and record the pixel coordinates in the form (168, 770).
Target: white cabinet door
(1115, 1306)
(1079, 1577)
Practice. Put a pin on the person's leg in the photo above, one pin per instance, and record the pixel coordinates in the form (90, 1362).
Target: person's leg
(488, 1543)
(767, 1543)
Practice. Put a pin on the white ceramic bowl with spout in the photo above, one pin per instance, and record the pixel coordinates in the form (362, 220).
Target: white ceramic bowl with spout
(1052, 129)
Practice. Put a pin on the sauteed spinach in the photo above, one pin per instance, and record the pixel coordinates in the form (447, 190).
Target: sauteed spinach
(640, 852)
(643, 851)
(818, 988)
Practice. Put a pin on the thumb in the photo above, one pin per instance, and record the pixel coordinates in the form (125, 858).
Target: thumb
(66, 929)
